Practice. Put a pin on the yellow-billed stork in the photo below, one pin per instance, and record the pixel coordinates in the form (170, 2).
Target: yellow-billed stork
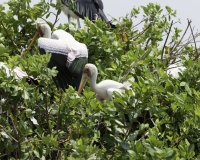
(104, 90)
(68, 55)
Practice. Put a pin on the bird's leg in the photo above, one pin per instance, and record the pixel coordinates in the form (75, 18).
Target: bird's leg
(69, 19)
(78, 21)
(95, 18)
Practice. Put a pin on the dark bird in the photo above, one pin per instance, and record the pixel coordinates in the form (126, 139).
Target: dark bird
(84, 8)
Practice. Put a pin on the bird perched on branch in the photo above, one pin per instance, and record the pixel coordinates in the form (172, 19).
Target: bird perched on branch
(84, 8)
(68, 55)
(104, 90)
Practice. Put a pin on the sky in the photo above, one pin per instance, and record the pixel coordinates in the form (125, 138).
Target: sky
(118, 8)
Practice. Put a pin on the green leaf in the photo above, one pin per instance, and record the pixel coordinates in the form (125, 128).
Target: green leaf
(88, 94)
(25, 94)
(197, 111)
(139, 147)
(125, 146)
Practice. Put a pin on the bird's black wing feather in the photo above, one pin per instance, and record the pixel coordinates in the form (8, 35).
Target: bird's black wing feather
(87, 8)
(99, 3)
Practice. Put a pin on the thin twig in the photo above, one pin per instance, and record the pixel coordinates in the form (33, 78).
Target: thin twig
(56, 20)
(141, 33)
(184, 45)
(176, 45)
(2, 155)
(47, 112)
(132, 66)
(147, 44)
(9, 37)
(145, 114)
(18, 137)
(139, 22)
(45, 21)
(166, 40)
(8, 134)
(145, 135)
(153, 122)
(197, 55)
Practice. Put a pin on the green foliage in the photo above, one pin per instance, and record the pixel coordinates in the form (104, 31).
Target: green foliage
(158, 119)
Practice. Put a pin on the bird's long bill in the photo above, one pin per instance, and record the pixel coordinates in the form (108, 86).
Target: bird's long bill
(82, 84)
(33, 40)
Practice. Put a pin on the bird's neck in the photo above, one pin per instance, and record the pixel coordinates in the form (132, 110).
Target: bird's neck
(93, 84)
(47, 34)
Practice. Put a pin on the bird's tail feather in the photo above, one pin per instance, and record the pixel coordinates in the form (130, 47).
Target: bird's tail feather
(127, 84)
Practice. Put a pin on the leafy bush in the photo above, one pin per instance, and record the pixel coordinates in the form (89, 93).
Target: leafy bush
(160, 120)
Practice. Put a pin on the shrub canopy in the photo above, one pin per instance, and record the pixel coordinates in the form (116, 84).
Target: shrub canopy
(160, 120)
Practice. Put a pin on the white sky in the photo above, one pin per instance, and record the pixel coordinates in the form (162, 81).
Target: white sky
(118, 8)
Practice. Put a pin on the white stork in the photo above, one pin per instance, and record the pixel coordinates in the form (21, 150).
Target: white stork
(68, 55)
(104, 90)
(84, 8)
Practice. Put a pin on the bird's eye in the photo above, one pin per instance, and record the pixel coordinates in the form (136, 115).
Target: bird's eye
(87, 71)
(40, 30)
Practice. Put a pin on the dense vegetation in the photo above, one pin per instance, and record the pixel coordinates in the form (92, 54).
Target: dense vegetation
(159, 121)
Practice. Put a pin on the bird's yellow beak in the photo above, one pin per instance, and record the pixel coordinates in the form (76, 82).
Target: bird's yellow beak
(33, 40)
(82, 84)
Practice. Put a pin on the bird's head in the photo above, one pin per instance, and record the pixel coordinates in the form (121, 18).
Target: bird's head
(88, 71)
(43, 30)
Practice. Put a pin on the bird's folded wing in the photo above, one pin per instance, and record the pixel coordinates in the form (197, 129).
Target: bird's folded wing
(86, 8)
(19, 73)
(127, 84)
(72, 49)
(16, 71)
(111, 90)
(53, 46)
(102, 15)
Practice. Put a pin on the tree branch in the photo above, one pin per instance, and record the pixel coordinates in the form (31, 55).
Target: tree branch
(8, 134)
(197, 55)
(166, 40)
(176, 45)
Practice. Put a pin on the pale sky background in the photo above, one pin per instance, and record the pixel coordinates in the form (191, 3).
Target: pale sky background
(118, 8)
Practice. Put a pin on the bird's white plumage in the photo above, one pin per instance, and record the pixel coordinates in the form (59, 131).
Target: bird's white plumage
(61, 42)
(67, 11)
(174, 70)
(104, 90)
(19, 74)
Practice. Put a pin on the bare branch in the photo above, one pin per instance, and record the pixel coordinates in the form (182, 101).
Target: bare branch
(56, 20)
(8, 134)
(139, 22)
(141, 33)
(166, 40)
(197, 55)
(176, 45)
